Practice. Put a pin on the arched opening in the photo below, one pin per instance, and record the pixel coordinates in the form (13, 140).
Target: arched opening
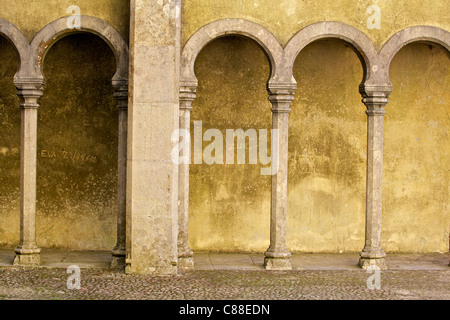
(416, 157)
(327, 151)
(77, 146)
(230, 203)
(9, 147)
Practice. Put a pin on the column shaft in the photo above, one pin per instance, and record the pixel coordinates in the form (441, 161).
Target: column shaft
(28, 253)
(119, 252)
(277, 256)
(372, 253)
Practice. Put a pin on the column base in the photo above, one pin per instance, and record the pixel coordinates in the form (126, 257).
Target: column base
(186, 263)
(27, 257)
(365, 263)
(372, 257)
(118, 263)
(278, 259)
(277, 264)
(118, 259)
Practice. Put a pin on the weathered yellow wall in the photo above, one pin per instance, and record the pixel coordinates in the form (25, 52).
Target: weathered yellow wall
(230, 205)
(327, 159)
(9, 147)
(77, 148)
(30, 16)
(77, 130)
(326, 204)
(284, 18)
(416, 159)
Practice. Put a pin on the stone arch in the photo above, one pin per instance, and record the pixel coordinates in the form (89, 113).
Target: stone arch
(363, 46)
(20, 43)
(58, 29)
(225, 27)
(30, 83)
(410, 35)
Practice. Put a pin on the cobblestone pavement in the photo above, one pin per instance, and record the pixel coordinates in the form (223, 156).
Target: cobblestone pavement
(98, 284)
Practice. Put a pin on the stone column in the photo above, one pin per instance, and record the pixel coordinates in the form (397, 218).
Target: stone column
(29, 92)
(153, 115)
(277, 256)
(372, 253)
(119, 251)
(185, 254)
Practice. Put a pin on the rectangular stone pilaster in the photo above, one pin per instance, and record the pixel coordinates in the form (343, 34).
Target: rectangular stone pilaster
(152, 187)
(185, 254)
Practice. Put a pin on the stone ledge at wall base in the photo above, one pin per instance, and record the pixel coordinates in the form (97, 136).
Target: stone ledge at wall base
(27, 257)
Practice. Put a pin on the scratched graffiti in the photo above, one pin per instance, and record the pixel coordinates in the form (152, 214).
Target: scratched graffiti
(72, 156)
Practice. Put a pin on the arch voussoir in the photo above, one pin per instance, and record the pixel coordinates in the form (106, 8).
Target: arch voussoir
(409, 35)
(59, 29)
(332, 30)
(226, 27)
(20, 43)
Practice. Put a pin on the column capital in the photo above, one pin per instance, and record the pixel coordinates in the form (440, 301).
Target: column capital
(281, 95)
(375, 98)
(188, 93)
(29, 90)
(121, 93)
